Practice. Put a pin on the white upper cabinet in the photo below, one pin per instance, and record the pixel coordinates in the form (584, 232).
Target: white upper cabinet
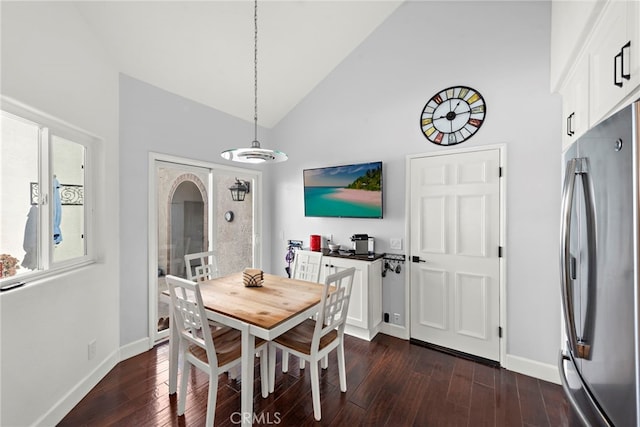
(571, 22)
(595, 60)
(613, 52)
(575, 102)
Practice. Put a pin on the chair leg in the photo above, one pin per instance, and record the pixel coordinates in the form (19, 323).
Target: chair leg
(342, 372)
(264, 370)
(325, 362)
(285, 361)
(213, 395)
(315, 389)
(234, 372)
(182, 394)
(272, 367)
(301, 363)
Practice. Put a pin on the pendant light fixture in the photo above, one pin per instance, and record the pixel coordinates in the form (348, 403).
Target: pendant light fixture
(254, 154)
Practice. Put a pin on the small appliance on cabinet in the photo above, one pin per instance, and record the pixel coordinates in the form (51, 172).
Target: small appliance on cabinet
(360, 244)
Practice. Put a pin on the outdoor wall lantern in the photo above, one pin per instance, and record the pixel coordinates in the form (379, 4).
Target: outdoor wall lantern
(239, 190)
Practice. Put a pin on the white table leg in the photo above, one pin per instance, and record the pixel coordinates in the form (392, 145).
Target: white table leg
(246, 392)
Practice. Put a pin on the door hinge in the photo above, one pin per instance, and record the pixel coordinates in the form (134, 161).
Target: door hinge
(499, 331)
(500, 172)
(499, 251)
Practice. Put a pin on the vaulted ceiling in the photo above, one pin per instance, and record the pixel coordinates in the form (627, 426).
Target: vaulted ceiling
(204, 50)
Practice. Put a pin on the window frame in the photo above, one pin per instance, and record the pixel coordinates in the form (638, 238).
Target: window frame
(48, 128)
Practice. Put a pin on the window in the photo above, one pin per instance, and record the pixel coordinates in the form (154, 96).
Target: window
(44, 195)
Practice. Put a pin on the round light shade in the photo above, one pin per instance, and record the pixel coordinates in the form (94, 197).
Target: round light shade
(254, 155)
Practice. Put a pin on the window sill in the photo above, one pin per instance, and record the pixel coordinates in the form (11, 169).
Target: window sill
(16, 282)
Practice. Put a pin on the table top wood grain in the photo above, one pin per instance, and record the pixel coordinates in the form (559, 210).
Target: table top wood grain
(278, 299)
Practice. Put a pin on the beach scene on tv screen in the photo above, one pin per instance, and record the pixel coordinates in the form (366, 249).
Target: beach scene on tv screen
(344, 191)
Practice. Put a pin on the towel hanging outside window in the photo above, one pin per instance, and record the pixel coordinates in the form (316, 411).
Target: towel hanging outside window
(57, 212)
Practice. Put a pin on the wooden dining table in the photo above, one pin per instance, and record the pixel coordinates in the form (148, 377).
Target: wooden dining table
(265, 312)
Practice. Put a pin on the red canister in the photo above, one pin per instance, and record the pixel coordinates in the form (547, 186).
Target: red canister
(314, 242)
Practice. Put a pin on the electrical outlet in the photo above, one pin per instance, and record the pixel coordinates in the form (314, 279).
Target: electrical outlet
(396, 318)
(91, 349)
(395, 244)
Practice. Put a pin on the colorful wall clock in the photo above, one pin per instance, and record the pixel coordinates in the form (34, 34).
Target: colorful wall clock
(453, 115)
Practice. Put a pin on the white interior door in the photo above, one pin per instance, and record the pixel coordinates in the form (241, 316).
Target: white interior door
(455, 233)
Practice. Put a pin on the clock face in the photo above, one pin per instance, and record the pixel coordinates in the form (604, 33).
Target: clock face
(453, 115)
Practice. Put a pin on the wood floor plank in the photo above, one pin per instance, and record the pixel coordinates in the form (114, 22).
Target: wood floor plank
(390, 382)
(459, 392)
(482, 411)
(350, 415)
(556, 407)
(534, 412)
(485, 375)
(409, 401)
(507, 400)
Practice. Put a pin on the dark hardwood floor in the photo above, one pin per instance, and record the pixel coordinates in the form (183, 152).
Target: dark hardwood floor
(390, 383)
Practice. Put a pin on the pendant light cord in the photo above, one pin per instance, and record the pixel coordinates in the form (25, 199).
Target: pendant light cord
(255, 71)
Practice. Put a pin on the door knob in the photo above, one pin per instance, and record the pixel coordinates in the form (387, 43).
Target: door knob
(417, 259)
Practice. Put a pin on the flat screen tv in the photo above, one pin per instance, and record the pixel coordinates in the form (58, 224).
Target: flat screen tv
(348, 191)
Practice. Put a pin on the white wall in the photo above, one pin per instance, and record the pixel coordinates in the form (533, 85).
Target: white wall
(51, 62)
(152, 120)
(369, 109)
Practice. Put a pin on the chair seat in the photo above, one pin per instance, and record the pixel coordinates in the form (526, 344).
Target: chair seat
(300, 337)
(227, 342)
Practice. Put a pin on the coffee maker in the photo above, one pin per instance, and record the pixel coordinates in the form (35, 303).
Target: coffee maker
(361, 244)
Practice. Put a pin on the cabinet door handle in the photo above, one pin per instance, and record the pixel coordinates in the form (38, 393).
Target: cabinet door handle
(617, 59)
(570, 131)
(626, 75)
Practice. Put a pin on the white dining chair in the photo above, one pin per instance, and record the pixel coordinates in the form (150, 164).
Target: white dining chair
(201, 266)
(211, 351)
(306, 266)
(313, 340)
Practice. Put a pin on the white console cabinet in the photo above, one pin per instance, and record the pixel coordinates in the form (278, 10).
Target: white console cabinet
(364, 318)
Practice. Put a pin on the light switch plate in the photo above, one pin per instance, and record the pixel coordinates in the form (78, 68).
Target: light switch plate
(395, 244)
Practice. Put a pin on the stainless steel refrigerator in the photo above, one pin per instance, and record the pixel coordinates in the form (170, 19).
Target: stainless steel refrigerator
(599, 272)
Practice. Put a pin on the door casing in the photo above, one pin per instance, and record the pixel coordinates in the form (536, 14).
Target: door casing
(152, 239)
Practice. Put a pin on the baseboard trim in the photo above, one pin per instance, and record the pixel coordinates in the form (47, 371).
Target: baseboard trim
(76, 394)
(397, 331)
(542, 371)
(133, 349)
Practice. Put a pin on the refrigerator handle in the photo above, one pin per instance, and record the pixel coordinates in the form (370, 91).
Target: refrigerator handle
(584, 349)
(578, 407)
(565, 255)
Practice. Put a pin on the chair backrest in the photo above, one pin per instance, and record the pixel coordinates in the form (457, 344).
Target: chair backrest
(334, 304)
(189, 316)
(201, 266)
(307, 265)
